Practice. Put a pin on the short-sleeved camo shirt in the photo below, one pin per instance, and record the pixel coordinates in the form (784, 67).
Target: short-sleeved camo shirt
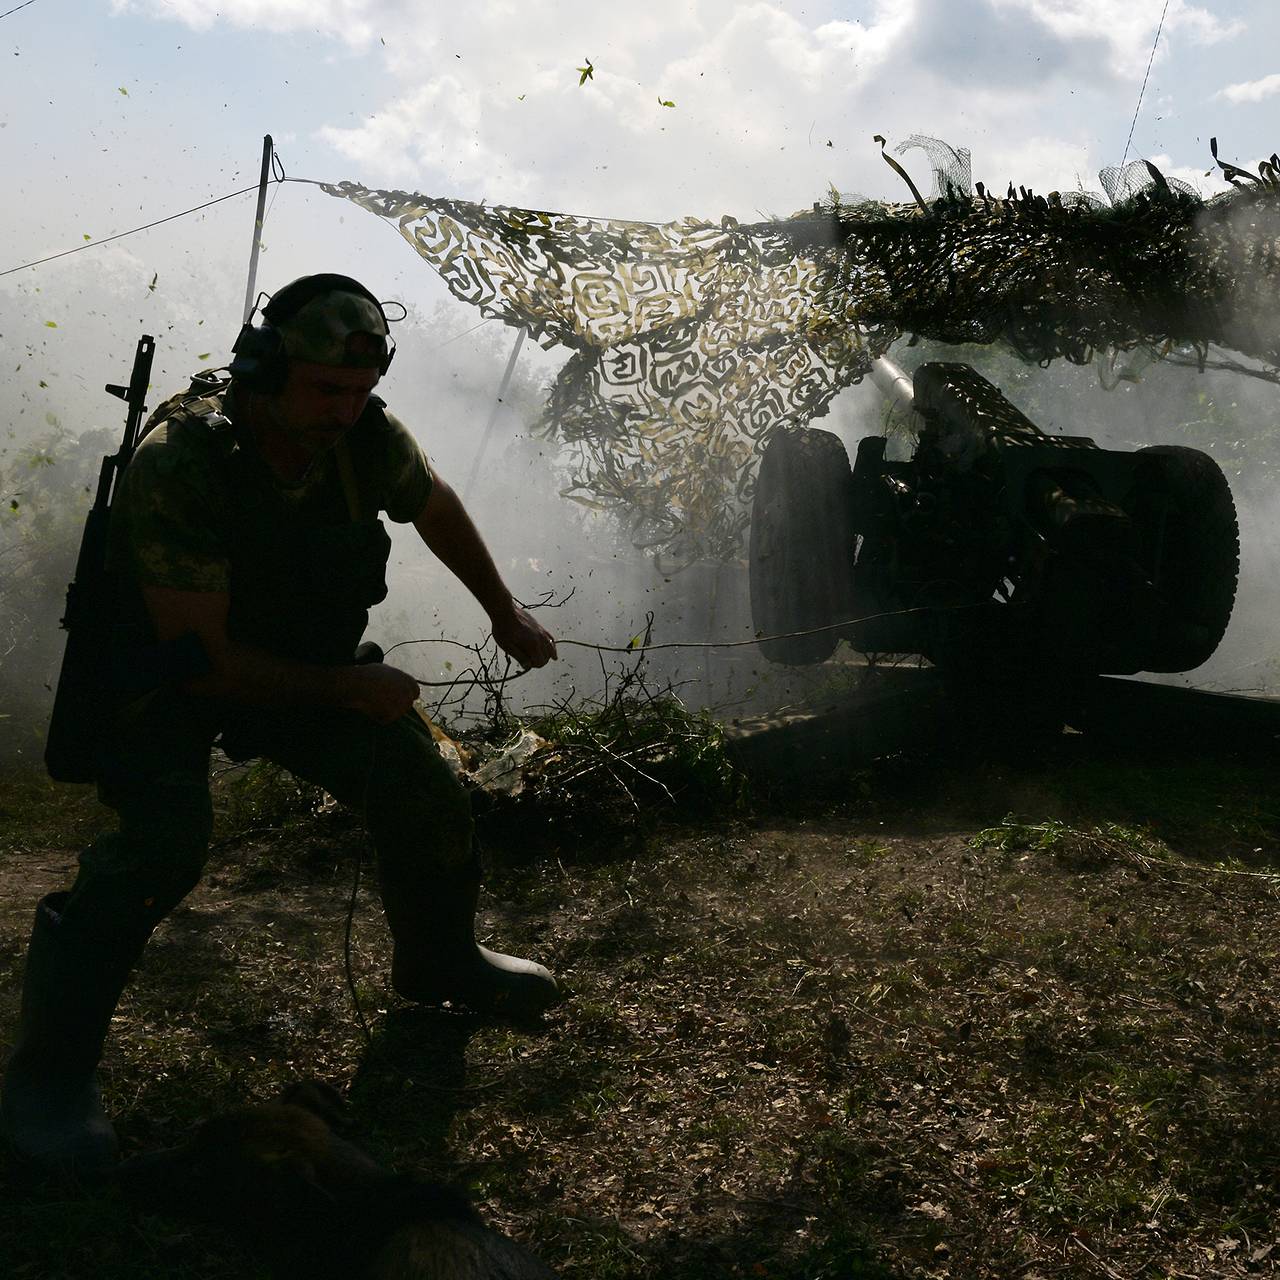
(174, 517)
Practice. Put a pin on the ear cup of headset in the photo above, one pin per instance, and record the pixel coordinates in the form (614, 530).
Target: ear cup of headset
(258, 359)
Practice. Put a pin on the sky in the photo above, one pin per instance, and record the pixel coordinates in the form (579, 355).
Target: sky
(116, 114)
(119, 113)
(113, 114)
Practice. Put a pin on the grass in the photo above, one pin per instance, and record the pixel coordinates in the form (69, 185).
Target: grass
(863, 852)
(263, 796)
(955, 1020)
(1079, 849)
(629, 752)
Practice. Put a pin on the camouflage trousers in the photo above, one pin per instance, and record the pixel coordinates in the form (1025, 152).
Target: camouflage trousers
(154, 773)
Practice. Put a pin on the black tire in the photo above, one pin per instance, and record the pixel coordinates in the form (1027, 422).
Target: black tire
(802, 544)
(1191, 546)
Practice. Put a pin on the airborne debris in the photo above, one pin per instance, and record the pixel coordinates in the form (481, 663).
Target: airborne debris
(504, 773)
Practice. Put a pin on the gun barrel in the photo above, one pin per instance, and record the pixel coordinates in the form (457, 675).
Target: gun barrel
(893, 383)
(139, 381)
(140, 375)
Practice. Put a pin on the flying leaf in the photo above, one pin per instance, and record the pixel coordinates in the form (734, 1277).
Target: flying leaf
(123, 90)
(87, 236)
(520, 98)
(204, 355)
(152, 285)
(13, 504)
(665, 102)
(585, 73)
(50, 324)
(635, 642)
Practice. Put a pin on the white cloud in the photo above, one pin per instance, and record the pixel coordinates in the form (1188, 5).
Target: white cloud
(348, 20)
(1127, 30)
(1041, 164)
(1206, 183)
(872, 44)
(1251, 90)
(774, 102)
(741, 77)
(436, 126)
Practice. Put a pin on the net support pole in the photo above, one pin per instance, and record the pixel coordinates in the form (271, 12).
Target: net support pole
(493, 416)
(249, 294)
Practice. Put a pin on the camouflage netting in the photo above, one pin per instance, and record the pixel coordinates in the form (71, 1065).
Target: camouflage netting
(692, 341)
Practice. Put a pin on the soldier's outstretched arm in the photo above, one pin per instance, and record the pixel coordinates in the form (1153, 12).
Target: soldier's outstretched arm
(451, 534)
(246, 674)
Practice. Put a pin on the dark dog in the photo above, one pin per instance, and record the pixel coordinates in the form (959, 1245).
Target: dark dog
(313, 1205)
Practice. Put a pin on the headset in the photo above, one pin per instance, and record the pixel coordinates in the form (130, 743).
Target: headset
(259, 360)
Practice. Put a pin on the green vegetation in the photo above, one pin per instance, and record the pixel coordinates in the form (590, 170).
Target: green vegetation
(1089, 849)
(263, 795)
(634, 741)
(893, 1032)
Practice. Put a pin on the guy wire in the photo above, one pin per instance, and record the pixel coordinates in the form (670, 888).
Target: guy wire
(278, 176)
(16, 7)
(120, 235)
(365, 838)
(1150, 60)
(688, 644)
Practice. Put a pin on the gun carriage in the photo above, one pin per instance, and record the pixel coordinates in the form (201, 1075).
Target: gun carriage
(996, 550)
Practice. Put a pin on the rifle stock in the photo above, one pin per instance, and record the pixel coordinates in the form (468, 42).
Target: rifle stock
(80, 703)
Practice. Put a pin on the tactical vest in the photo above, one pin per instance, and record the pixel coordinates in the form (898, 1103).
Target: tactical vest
(302, 581)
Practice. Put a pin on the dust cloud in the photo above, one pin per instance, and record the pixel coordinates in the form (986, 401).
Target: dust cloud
(577, 566)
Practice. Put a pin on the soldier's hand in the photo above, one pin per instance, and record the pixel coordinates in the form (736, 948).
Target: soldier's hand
(380, 692)
(521, 635)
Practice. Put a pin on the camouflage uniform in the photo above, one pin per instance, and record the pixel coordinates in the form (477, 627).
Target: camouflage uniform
(199, 509)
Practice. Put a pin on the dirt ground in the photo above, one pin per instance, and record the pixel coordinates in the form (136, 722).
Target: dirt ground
(938, 1017)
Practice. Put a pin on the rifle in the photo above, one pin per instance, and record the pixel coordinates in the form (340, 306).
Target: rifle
(82, 699)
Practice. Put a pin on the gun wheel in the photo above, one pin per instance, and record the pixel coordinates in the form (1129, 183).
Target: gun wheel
(802, 544)
(1191, 546)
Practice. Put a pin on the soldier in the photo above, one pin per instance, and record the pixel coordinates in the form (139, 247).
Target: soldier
(246, 543)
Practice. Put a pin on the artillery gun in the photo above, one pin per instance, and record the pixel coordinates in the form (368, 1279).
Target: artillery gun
(1006, 556)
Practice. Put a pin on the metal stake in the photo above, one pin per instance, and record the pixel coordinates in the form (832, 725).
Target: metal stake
(257, 228)
(493, 417)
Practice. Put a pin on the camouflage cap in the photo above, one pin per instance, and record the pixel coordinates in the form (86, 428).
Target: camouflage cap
(337, 328)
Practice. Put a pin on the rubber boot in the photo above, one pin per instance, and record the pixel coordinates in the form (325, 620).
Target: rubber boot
(437, 958)
(50, 1103)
